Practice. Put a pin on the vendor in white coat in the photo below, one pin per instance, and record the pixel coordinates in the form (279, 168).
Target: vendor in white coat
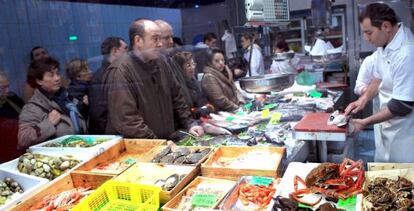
(256, 59)
(395, 64)
(282, 65)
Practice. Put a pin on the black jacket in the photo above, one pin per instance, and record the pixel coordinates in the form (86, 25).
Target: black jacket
(98, 106)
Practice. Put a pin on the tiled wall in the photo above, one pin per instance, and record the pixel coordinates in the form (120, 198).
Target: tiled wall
(27, 23)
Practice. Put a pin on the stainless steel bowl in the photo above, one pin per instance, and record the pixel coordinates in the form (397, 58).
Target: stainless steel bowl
(267, 83)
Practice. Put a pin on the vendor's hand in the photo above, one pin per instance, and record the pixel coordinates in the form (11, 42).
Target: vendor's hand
(355, 106)
(358, 125)
(54, 117)
(171, 144)
(196, 131)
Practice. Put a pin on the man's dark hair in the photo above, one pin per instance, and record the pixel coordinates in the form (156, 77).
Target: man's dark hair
(248, 36)
(136, 28)
(109, 43)
(33, 49)
(282, 44)
(178, 41)
(209, 36)
(39, 67)
(378, 13)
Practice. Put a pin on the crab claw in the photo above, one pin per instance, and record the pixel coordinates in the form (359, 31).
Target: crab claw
(301, 199)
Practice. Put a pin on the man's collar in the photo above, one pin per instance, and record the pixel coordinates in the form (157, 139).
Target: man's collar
(397, 39)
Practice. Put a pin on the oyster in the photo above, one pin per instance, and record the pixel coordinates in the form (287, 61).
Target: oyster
(171, 182)
(182, 155)
(205, 151)
(168, 159)
(180, 160)
(183, 151)
(193, 158)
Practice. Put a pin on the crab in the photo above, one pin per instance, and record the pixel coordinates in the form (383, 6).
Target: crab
(331, 180)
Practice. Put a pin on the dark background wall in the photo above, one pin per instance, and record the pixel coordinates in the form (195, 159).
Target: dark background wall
(27, 23)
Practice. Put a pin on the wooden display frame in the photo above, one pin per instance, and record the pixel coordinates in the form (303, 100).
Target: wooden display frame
(208, 170)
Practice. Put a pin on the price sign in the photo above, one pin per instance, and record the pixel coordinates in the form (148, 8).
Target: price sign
(204, 200)
(262, 181)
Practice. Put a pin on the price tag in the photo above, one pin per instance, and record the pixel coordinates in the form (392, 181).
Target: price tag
(315, 94)
(130, 161)
(230, 119)
(262, 181)
(304, 206)
(265, 113)
(240, 113)
(270, 106)
(275, 118)
(204, 200)
(248, 105)
(347, 202)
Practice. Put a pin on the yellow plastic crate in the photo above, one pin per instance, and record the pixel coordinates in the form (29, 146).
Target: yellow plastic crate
(121, 196)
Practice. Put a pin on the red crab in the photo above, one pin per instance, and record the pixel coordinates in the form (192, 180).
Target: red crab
(338, 181)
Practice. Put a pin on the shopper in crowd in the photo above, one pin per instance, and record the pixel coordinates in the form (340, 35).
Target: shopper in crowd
(79, 74)
(218, 85)
(49, 113)
(200, 51)
(186, 62)
(252, 55)
(167, 53)
(10, 108)
(394, 62)
(144, 94)
(36, 53)
(283, 64)
(111, 49)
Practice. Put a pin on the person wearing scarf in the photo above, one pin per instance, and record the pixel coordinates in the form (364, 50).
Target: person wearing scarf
(217, 84)
(49, 113)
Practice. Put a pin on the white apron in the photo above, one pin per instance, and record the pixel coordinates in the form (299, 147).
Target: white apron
(396, 141)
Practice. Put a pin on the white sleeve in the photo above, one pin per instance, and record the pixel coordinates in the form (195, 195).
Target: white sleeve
(254, 65)
(403, 75)
(363, 78)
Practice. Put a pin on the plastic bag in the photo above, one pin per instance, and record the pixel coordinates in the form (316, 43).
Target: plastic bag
(305, 78)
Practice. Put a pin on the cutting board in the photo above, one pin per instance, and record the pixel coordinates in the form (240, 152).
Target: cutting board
(317, 122)
(313, 126)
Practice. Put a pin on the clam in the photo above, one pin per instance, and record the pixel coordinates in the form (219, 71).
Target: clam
(168, 159)
(46, 167)
(193, 158)
(6, 192)
(64, 165)
(183, 151)
(171, 182)
(180, 160)
(165, 151)
(205, 151)
(159, 183)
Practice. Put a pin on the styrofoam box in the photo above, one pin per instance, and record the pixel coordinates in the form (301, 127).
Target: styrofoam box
(11, 166)
(84, 153)
(27, 182)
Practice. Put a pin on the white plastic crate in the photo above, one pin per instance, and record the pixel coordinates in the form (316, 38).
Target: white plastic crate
(84, 153)
(28, 183)
(11, 166)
